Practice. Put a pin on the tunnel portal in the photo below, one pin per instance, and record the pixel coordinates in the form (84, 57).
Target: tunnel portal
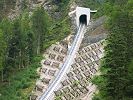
(83, 19)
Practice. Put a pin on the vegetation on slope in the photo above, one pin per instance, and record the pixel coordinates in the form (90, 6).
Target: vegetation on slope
(21, 42)
(17, 66)
(115, 82)
(23, 39)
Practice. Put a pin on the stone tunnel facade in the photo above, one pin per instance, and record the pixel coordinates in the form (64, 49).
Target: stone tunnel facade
(82, 15)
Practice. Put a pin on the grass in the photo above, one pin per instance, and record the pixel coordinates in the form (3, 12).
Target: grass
(22, 83)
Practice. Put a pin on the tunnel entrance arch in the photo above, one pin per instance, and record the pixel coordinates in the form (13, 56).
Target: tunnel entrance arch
(83, 19)
(83, 15)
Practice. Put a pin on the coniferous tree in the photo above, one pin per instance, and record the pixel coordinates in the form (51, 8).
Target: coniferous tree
(39, 27)
(118, 57)
(3, 47)
(6, 27)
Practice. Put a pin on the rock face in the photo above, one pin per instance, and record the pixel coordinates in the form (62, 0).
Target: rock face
(21, 4)
(95, 32)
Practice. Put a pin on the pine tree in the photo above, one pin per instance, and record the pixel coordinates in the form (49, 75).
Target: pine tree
(6, 27)
(118, 55)
(39, 27)
(3, 47)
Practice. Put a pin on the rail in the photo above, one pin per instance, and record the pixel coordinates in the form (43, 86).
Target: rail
(67, 64)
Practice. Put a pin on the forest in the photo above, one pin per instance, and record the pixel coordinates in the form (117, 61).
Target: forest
(24, 39)
(22, 42)
(116, 79)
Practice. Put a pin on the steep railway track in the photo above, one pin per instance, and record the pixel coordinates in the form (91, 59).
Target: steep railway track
(67, 64)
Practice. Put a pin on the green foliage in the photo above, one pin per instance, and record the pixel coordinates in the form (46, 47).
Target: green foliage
(115, 82)
(129, 88)
(76, 83)
(3, 47)
(39, 26)
(58, 98)
(21, 84)
(63, 6)
(24, 5)
(21, 40)
(99, 81)
(6, 35)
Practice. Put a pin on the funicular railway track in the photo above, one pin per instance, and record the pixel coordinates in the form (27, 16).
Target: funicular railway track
(67, 64)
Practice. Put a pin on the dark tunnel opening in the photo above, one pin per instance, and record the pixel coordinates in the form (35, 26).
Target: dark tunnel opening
(83, 19)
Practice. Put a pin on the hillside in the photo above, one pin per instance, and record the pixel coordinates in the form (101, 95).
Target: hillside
(36, 36)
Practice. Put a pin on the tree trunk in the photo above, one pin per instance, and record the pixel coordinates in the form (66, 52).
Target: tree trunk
(38, 45)
(19, 60)
(2, 76)
(9, 82)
